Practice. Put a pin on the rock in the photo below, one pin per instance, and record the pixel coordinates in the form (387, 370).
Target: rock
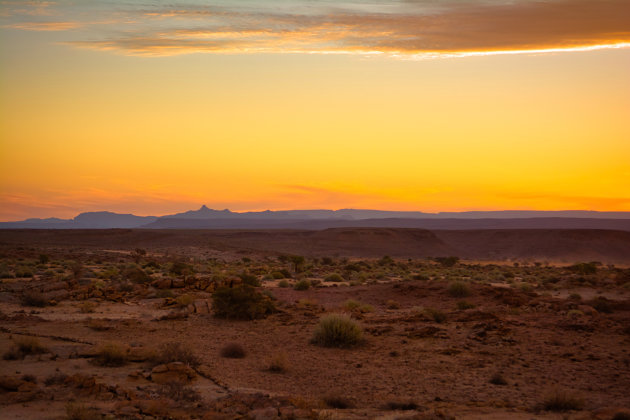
(201, 307)
(264, 413)
(172, 372)
(178, 284)
(9, 383)
(162, 284)
(428, 331)
(587, 310)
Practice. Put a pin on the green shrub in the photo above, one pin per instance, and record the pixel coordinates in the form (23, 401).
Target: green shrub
(333, 278)
(136, 275)
(447, 261)
(277, 275)
(459, 289)
(249, 279)
(302, 285)
(337, 330)
(241, 302)
(283, 283)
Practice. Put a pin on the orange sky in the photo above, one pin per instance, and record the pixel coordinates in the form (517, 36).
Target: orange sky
(161, 109)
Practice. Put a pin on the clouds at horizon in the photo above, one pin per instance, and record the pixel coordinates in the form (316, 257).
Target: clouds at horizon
(398, 28)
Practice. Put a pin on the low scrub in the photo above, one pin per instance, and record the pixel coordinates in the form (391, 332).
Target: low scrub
(459, 289)
(334, 278)
(337, 330)
(175, 352)
(241, 302)
(562, 400)
(111, 355)
(23, 347)
(233, 351)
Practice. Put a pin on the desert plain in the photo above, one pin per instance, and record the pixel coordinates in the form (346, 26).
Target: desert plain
(134, 324)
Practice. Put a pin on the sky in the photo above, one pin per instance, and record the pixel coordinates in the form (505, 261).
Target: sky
(155, 107)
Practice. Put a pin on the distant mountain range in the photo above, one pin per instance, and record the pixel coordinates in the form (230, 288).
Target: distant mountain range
(206, 218)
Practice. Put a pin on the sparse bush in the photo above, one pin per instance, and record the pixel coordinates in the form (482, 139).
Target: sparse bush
(601, 304)
(56, 378)
(355, 306)
(334, 278)
(302, 285)
(179, 391)
(24, 346)
(175, 352)
(463, 305)
(278, 363)
(562, 400)
(401, 405)
(87, 307)
(337, 330)
(34, 298)
(136, 275)
(584, 268)
(81, 412)
(498, 379)
(437, 315)
(111, 355)
(283, 283)
(392, 304)
(446, 261)
(459, 289)
(249, 279)
(241, 302)
(233, 351)
(276, 275)
(338, 402)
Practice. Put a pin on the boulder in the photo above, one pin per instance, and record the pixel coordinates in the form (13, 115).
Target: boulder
(172, 372)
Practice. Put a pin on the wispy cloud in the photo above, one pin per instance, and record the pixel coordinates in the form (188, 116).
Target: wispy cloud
(44, 26)
(404, 28)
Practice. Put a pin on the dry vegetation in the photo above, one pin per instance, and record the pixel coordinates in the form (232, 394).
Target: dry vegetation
(175, 333)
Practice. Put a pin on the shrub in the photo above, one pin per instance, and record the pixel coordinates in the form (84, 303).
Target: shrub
(302, 285)
(401, 405)
(561, 400)
(447, 261)
(354, 306)
(283, 283)
(56, 378)
(338, 402)
(175, 352)
(24, 346)
(337, 330)
(498, 379)
(249, 279)
(241, 302)
(81, 412)
(136, 275)
(458, 289)
(178, 391)
(111, 355)
(463, 305)
(333, 278)
(392, 304)
(87, 307)
(437, 315)
(603, 305)
(34, 298)
(233, 351)
(278, 363)
(584, 268)
(276, 275)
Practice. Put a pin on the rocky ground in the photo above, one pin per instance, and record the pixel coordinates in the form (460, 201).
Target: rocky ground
(117, 333)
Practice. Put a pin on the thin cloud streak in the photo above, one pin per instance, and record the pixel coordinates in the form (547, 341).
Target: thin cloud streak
(456, 30)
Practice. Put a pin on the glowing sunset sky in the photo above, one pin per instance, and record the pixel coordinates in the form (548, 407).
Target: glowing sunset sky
(154, 107)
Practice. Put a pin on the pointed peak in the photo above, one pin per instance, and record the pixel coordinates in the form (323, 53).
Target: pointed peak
(204, 207)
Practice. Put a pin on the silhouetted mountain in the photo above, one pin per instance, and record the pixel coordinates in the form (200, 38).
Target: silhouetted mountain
(206, 218)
